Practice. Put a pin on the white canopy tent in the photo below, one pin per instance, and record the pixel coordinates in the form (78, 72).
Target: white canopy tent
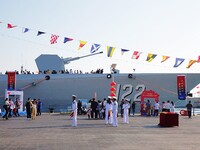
(195, 92)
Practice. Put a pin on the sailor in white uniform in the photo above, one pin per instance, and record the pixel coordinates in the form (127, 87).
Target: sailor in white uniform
(115, 111)
(108, 105)
(74, 111)
(126, 107)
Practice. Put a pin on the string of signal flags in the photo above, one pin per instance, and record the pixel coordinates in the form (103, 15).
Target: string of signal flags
(110, 50)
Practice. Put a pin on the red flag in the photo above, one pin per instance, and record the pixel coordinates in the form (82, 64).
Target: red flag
(54, 39)
(11, 80)
(136, 54)
(198, 59)
(9, 26)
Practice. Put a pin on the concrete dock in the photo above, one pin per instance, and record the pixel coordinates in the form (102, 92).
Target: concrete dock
(54, 132)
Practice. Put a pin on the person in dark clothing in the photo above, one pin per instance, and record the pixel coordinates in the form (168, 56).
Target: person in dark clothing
(6, 106)
(189, 109)
(94, 105)
(121, 106)
(79, 107)
(39, 107)
(103, 108)
(28, 108)
(17, 103)
(133, 107)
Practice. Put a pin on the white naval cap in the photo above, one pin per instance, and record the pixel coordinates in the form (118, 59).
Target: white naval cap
(114, 97)
(73, 95)
(109, 97)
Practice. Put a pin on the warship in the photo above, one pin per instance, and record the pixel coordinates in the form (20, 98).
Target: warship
(54, 87)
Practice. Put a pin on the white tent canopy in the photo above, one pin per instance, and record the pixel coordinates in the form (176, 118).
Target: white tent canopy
(196, 91)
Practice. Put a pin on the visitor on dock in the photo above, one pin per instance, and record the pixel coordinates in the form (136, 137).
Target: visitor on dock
(189, 109)
(74, 111)
(126, 107)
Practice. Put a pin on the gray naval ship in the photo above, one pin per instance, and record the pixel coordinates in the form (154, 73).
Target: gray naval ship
(56, 88)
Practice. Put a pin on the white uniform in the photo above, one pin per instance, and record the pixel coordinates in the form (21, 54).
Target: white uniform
(108, 111)
(115, 111)
(74, 109)
(126, 107)
(172, 108)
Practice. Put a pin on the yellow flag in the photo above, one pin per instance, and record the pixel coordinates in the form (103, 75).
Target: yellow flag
(164, 58)
(191, 62)
(82, 43)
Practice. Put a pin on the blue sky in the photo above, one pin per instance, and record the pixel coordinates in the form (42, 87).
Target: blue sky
(162, 27)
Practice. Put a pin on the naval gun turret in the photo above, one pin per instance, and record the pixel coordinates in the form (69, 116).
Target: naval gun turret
(53, 62)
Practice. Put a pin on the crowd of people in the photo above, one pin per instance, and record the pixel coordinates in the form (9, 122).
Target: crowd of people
(70, 71)
(106, 109)
(150, 109)
(32, 107)
(11, 108)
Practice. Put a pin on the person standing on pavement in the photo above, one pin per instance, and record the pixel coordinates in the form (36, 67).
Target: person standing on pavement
(121, 106)
(168, 105)
(133, 107)
(39, 107)
(108, 105)
(156, 108)
(34, 109)
(6, 106)
(115, 111)
(189, 109)
(74, 111)
(79, 107)
(28, 108)
(148, 108)
(126, 107)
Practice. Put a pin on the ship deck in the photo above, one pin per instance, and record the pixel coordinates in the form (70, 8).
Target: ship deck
(53, 131)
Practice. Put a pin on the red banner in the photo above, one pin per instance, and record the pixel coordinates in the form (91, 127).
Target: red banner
(181, 87)
(11, 80)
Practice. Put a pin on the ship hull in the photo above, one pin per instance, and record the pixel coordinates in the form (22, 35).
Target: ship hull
(57, 91)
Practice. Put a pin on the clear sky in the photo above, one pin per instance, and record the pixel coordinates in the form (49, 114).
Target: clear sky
(162, 27)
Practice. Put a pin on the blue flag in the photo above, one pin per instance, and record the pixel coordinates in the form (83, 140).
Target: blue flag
(40, 32)
(95, 48)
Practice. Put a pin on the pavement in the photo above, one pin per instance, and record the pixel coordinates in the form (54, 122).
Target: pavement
(54, 132)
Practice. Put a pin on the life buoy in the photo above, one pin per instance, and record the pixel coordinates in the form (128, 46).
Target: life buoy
(130, 75)
(47, 77)
(109, 76)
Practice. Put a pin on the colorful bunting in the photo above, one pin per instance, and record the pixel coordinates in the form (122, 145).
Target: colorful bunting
(95, 48)
(9, 26)
(123, 51)
(164, 58)
(53, 39)
(110, 51)
(25, 30)
(82, 43)
(40, 33)
(136, 54)
(191, 62)
(178, 62)
(67, 39)
(150, 57)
